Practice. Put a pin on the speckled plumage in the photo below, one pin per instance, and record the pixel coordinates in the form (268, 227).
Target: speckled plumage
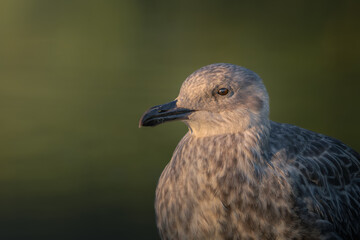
(238, 175)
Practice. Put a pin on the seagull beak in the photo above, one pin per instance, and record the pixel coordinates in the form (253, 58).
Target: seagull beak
(163, 113)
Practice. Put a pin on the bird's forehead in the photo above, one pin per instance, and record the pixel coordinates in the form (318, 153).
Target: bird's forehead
(210, 75)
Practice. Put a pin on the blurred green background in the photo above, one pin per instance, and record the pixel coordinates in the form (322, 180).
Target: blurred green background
(75, 77)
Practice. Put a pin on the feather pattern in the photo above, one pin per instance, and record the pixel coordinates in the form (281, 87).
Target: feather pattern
(326, 176)
(305, 187)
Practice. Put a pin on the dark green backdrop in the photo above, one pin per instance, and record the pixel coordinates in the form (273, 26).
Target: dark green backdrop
(75, 77)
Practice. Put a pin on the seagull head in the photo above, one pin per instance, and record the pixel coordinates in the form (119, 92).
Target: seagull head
(217, 99)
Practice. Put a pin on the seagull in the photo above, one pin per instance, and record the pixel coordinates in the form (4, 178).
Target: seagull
(238, 175)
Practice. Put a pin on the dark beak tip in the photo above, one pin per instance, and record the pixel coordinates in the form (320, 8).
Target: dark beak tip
(141, 121)
(144, 120)
(163, 113)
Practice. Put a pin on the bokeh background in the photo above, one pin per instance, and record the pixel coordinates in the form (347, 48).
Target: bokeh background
(75, 77)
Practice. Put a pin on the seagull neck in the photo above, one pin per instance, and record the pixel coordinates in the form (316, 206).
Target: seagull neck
(206, 124)
(256, 135)
(252, 143)
(246, 151)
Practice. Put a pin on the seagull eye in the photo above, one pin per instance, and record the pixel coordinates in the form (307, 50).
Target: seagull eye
(223, 91)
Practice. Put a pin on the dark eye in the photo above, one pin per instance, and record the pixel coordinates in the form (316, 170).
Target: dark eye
(223, 91)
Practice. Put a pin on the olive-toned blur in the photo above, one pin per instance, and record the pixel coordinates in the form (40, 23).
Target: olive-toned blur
(76, 76)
